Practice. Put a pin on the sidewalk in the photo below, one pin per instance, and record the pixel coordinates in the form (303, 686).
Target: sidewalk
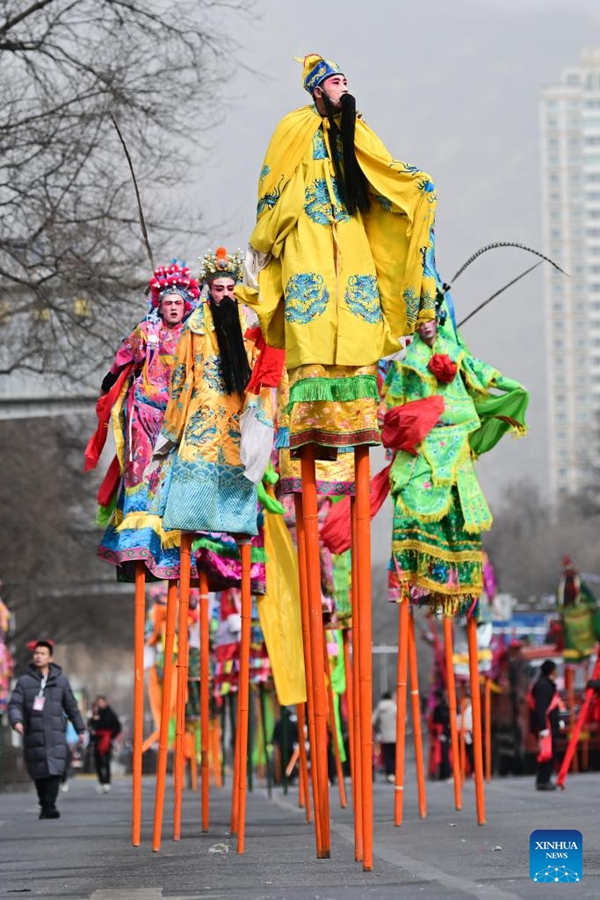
(87, 852)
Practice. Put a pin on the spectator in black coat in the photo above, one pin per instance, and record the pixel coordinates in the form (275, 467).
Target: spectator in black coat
(545, 720)
(104, 727)
(38, 710)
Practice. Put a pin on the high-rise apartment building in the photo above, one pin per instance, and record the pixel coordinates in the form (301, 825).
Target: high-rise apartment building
(570, 113)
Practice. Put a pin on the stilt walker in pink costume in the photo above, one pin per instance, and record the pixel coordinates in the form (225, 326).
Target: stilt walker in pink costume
(134, 396)
(136, 389)
(335, 272)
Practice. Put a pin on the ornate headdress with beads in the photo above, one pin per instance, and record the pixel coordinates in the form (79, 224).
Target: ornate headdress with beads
(315, 70)
(221, 264)
(173, 279)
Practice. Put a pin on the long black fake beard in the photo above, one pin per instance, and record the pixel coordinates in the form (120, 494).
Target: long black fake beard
(234, 362)
(352, 182)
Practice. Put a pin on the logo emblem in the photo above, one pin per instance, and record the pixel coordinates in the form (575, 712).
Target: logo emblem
(556, 856)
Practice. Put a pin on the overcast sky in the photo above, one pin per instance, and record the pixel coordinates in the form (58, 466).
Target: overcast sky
(451, 87)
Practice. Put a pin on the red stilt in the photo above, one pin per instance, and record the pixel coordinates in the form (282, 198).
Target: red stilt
(165, 715)
(182, 678)
(363, 550)
(581, 719)
(313, 568)
(204, 702)
(244, 691)
(476, 708)
(138, 700)
(451, 690)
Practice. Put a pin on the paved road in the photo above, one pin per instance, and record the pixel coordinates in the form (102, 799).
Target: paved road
(87, 855)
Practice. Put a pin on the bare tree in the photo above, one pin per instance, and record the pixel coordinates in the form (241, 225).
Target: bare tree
(70, 247)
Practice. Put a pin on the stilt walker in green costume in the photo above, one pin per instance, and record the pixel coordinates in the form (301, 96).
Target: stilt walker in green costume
(440, 511)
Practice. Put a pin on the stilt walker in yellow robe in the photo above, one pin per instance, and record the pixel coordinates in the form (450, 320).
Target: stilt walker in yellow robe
(336, 272)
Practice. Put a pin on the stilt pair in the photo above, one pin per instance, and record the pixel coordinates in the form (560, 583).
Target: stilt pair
(314, 655)
(181, 695)
(407, 658)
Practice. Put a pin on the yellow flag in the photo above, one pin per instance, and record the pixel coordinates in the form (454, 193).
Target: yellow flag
(279, 613)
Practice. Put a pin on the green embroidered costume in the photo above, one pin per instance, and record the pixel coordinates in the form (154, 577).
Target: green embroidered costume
(439, 507)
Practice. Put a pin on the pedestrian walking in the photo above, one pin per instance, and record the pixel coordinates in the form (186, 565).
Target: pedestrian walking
(384, 722)
(104, 727)
(38, 710)
(544, 703)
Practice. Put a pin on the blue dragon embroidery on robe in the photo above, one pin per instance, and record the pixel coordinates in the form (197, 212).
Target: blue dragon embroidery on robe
(362, 297)
(268, 200)
(320, 206)
(213, 374)
(428, 255)
(306, 296)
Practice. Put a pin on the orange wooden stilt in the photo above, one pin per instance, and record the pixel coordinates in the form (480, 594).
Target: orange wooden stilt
(416, 715)
(476, 708)
(204, 702)
(193, 760)
(244, 691)
(335, 744)
(462, 734)
(357, 784)
(488, 729)
(401, 685)
(308, 671)
(303, 779)
(363, 549)
(138, 700)
(215, 753)
(182, 678)
(451, 691)
(313, 571)
(349, 702)
(165, 715)
(235, 781)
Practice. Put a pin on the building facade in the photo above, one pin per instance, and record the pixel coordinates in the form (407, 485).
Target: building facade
(570, 146)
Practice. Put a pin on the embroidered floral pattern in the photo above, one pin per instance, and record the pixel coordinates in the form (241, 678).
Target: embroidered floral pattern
(362, 297)
(306, 297)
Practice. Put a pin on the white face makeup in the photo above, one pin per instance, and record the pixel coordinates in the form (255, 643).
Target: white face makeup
(221, 287)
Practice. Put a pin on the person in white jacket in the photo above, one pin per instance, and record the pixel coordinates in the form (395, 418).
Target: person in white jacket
(384, 723)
